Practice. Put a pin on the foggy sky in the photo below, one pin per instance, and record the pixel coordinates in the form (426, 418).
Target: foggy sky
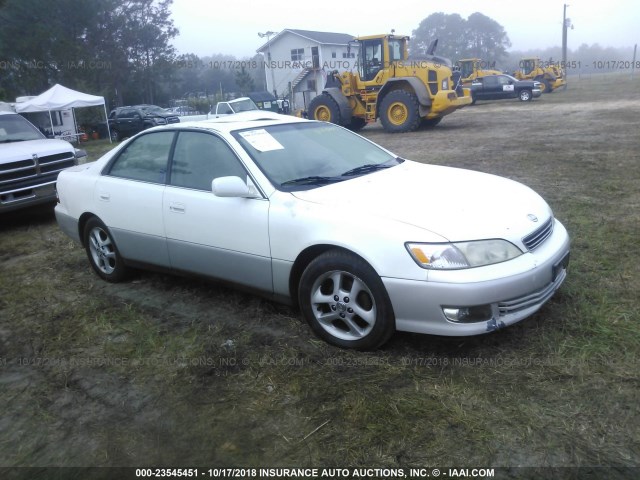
(231, 27)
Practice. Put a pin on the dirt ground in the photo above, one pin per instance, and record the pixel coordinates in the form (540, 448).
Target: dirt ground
(169, 371)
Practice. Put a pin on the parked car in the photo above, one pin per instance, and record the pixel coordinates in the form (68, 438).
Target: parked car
(365, 242)
(30, 163)
(242, 104)
(127, 121)
(495, 87)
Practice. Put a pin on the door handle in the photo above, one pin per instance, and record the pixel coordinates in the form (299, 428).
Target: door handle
(177, 207)
(104, 196)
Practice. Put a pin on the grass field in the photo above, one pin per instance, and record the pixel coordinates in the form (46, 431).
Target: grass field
(163, 370)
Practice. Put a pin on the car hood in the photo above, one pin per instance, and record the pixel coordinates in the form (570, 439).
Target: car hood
(453, 203)
(16, 151)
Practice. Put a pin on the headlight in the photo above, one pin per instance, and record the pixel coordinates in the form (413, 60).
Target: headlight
(453, 256)
(445, 84)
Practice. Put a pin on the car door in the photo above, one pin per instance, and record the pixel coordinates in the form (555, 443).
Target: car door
(221, 237)
(477, 89)
(507, 88)
(492, 89)
(129, 197)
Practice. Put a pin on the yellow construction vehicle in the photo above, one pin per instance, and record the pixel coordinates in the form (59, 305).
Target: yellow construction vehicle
(472, 68)
(403, 92)
(550, 75)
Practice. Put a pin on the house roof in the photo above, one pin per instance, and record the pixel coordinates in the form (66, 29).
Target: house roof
(325, 38)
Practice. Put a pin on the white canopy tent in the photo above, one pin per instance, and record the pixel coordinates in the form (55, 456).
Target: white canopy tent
(62, 98)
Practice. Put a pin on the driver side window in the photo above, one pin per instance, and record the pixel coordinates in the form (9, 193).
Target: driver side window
(199, 158)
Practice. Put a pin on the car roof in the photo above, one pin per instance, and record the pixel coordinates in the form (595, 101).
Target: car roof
(239, 121)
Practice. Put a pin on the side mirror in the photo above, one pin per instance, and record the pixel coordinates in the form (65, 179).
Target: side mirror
(233, 187)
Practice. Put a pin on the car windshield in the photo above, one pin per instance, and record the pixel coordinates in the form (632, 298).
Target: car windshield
(154, 110)
(14, 128)
(300, 156)
(513, 79)
(244, 105)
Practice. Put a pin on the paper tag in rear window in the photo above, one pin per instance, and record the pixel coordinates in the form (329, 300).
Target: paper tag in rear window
(261, 140)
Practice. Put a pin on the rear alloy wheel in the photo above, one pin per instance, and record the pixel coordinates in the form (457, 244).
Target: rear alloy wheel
(399, 112)
(102, 252)
(344, 301)
(324, 109)
(525, 95)
(115, 136)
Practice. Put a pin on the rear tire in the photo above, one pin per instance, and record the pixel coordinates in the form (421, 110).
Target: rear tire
(324, 109)
(399, 112)
(344, 301)
(102, 252)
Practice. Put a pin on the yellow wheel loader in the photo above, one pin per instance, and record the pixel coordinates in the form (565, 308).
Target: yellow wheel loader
(472, 68)
(402, 92)
(550, 75)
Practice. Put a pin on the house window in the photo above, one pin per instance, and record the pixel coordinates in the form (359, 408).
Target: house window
(311, 85)
(297, 54)
(348, 55)
(333, 54)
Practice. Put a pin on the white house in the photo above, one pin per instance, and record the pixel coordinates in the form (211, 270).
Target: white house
(297, 62)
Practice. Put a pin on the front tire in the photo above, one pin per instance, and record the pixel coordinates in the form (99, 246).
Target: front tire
(344, 301)
(324, 109)
(399, 112)
(102, 252)
(525, 95)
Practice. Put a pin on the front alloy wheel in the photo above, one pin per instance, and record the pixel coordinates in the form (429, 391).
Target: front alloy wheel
(525, 95)
(345, 302)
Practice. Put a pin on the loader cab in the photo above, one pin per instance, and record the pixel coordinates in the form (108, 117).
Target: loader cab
(467, 67)
(528, 65)
(379, 52)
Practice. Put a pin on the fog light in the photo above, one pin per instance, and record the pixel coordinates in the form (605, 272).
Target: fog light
(479, 313)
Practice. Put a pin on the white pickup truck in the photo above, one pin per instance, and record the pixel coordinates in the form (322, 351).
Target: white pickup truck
(29, 163)
(242, 104)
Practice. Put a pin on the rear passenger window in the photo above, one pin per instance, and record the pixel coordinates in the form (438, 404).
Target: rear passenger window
(145, 159)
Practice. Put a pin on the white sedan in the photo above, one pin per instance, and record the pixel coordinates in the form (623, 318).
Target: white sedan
(312, 214)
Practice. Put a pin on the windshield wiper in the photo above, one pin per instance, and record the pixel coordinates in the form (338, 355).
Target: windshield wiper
(362, 169)
(312, 180)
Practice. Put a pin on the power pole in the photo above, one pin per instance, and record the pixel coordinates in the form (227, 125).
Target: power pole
(564, 37)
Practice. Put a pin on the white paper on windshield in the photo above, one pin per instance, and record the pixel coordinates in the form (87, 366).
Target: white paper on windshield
(261, 140)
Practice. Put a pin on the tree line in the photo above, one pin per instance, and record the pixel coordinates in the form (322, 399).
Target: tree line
(119, 49)
(122, 50)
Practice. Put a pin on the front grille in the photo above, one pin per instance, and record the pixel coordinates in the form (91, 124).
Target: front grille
(173, 120)
(533, 299)
(433, 81)
(535, 239)
(36, 169)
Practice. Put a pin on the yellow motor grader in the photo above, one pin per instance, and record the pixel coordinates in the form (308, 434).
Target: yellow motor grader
(402, 92)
